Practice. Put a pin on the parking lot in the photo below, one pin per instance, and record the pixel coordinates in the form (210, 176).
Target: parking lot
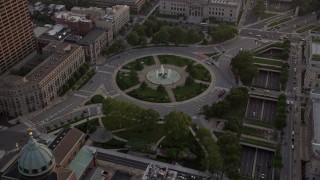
(261, 109)
(267, 80)
(258, 160)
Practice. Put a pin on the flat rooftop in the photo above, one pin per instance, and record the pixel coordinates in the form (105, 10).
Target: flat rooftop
(91, 36)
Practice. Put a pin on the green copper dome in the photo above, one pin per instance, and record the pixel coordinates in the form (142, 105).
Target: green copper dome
(35, 159)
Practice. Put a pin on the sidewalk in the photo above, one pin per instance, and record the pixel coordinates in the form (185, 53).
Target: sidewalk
(149, 161)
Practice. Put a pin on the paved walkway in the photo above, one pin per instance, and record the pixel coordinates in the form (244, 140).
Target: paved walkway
(171, 94)
(131, 88)
(203, 82)
(149, 161)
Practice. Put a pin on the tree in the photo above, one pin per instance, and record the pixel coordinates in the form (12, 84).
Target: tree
(213, 160)
(139, 29)
(133, 39)
(237, 96)
(242, 65)
(230, 150)
(148, 118)
(220, 109)
(178, 123)
(277, 160)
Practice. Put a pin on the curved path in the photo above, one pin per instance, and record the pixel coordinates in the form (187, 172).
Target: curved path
(102, 81)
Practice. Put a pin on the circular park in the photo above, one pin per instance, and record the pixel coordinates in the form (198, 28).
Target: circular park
(163, 78)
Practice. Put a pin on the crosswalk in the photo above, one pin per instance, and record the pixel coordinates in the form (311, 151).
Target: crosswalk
(11, 151)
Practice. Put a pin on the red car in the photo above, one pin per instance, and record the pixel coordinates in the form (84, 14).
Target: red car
(221, 93)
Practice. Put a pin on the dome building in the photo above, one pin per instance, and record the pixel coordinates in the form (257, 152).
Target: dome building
(36, 160)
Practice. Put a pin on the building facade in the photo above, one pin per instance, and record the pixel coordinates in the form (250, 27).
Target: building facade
(312, 77)
(16, 33)
(118, 16)
(135, 5)
(312, 117)
(94, 42)
(223, 10)
(22, 95)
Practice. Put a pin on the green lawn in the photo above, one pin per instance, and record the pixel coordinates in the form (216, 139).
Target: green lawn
(267, 15)
(258, 143)
(125, 80)
(201, 73)
(268, 67)
(267, 61)
(137, 64)
(219, 134)
(260, 123)
(147, 136)
(252, 131)
(278, 22)
(111, 123)
(151, 95)
(307, 28)
(188, 91)
(174, 60)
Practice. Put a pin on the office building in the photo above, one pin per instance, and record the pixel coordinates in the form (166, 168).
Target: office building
(223, 10)
(16, 33)
(135, 5)
(20, 95)
(118, 16)
(312, 49)
(312, 118)
(93, 43)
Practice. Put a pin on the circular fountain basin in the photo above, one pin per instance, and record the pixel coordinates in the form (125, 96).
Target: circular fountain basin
(164, 77)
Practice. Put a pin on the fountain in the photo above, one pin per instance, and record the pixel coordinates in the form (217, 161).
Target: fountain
(162, 75)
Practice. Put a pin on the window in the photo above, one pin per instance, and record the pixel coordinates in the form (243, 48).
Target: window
(44, 168)
(318, 75)
(34, 171)
(230, 14)
(26, 171)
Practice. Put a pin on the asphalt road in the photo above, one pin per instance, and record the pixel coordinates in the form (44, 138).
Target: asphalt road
(251, 16)
(269, 111)
(247, 160)
(264, 157)
(261, 79)
(122, 161)
(254, 108)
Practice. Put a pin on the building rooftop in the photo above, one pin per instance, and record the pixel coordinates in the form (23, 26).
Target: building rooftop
(121, 175)
(39, 31)
(91, 36)
(96, 173)
(81, 161)
(155, 172)
(64, 144)
(63, 51)
(72, 17)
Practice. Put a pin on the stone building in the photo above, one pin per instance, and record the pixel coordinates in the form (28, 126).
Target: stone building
(20, 95)
(224, 10)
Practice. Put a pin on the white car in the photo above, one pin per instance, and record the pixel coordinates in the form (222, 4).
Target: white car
(250, 33)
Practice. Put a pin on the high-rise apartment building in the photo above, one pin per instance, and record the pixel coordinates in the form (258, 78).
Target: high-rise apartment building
(16, 33)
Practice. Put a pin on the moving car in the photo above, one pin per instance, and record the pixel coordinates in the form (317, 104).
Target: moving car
(222, 92)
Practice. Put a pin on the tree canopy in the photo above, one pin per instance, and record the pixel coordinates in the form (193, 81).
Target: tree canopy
(242, 65)
(178, 124)
(230, 150)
